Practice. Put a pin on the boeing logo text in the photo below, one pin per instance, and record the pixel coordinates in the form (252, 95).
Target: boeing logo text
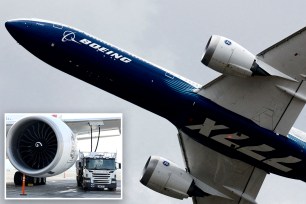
(70, 36)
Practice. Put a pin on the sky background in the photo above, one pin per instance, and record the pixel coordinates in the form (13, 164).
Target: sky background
(172, 34)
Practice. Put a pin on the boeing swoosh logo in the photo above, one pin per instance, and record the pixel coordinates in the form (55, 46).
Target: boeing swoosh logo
(69, 36)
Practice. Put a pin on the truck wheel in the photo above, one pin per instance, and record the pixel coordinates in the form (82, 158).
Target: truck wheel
(78, 181)
(112, 189)
(43, 181)
(18, 178)
(29, 180)
(36, 181)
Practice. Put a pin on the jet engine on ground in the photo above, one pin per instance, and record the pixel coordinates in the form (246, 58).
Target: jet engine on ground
(41, 146)
(228, 57)
(165, 177)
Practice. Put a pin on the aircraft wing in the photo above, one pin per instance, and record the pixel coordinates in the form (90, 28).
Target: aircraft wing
(82, 126)
(270, 101)
(109, 126)
(230, 181)
(288, 55)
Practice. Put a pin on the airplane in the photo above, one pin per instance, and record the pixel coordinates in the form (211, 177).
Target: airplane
(45, 145)
(232, 131)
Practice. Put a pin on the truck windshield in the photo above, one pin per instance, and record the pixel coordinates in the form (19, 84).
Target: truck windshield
(100, 164)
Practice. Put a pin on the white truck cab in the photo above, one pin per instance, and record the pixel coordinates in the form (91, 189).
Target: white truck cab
(97, 170)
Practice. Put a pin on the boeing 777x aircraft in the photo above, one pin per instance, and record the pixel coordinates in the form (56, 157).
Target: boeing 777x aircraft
(232, 131)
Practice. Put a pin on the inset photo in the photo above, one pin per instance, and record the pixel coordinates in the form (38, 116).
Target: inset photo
(63, 156)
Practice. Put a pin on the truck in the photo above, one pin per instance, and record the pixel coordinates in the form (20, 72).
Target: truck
(97, 170)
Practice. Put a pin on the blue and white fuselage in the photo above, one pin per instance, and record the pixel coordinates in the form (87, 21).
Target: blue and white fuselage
(163, 93)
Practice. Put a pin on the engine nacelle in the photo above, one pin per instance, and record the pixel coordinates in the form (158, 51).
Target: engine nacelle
(230, 58)
(41, 146)
(165, 177)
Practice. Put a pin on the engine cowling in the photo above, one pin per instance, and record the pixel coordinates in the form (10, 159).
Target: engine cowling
(41, 146)
(228, 57)
(165, 177)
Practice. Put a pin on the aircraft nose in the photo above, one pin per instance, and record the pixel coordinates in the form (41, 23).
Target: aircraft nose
(15, 28)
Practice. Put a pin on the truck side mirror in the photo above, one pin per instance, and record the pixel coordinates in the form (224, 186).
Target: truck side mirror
(118, 166)
(80, 165)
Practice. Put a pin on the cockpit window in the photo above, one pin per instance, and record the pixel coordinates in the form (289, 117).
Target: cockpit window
(57, 26)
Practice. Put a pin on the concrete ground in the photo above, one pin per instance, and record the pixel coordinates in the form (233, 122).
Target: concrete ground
(60, 186)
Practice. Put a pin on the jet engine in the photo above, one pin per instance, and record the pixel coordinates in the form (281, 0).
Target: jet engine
(41, 146)
(165, 177)
(228, 57)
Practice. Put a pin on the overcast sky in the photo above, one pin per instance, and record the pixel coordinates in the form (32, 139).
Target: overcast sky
(170, 33)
